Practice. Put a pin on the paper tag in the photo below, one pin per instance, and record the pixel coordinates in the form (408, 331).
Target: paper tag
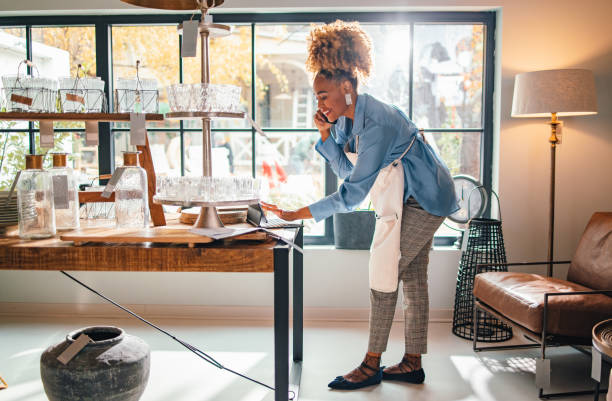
(74, 348)
(137, 129)
(75, 98)
(46, 134)
(60, 191)
(595, 364)
(256, 126)
(190, 38)
(21, 99)
(112, 183)
(542, 373)
(91, 133)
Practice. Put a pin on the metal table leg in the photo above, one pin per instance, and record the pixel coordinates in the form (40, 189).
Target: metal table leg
(298, 316)
(281, 323)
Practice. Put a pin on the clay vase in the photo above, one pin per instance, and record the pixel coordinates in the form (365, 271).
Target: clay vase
(115, 366)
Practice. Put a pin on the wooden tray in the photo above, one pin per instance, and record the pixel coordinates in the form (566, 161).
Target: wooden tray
(227, 216)
(174, 234)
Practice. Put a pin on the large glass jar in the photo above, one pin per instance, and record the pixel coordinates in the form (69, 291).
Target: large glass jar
(35, 200)
(131, 196)
(65, 194)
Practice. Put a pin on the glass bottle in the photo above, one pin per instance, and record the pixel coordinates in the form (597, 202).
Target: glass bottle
(35, 200)
(131, 196)
(65, 194)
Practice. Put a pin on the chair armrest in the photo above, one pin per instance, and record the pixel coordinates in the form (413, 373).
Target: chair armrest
(590, 292)
(554, 294)
(481, 267)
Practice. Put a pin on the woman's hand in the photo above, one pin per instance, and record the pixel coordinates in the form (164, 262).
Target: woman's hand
(322, 125)
(287, 215)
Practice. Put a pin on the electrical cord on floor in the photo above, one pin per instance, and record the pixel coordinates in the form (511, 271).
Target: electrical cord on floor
(190, 347)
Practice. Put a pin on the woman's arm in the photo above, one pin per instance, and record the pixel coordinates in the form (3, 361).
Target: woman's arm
(288, 215)
(331, 147)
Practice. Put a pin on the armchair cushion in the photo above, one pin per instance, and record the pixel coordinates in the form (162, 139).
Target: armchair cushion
(520, 297)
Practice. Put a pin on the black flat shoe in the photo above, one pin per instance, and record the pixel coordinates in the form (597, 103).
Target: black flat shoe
(340, 383)
(416, 376)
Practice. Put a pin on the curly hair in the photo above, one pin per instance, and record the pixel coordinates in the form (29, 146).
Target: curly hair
(340, 50)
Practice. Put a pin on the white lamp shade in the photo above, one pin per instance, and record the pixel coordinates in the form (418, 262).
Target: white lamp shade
(565, 92)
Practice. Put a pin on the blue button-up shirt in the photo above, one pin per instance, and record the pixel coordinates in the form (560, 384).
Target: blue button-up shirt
(384, 134)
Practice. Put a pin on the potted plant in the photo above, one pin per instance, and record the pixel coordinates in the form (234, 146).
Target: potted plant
(354, 230)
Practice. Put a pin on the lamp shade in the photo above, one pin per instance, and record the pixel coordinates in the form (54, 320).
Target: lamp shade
(565, 92)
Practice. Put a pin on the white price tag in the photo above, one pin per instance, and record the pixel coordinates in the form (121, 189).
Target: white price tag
(74, 348)
(91, 133)
(46, 134)
(137, 129)
(190, 38)
(60, 191)
(112, 183)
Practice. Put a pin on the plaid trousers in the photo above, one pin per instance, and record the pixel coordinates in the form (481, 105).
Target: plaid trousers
(417, 230)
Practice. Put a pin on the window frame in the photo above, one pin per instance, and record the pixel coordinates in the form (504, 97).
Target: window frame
(103, 39)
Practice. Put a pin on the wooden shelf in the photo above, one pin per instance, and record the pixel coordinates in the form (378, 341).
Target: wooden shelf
(106, 117)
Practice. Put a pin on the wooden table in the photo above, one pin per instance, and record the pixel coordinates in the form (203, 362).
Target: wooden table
(269, 256)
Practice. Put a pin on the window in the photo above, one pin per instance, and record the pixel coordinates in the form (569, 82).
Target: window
(437, 67)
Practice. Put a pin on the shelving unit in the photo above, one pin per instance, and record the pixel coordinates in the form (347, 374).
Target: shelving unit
(101, 117)
(145, 159)
(209, 218)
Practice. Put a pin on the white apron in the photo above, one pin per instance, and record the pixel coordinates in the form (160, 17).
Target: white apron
(387, 196)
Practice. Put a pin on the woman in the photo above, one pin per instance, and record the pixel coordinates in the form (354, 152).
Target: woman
(376, 149)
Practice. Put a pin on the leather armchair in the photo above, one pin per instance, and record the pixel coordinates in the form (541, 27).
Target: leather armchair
(550, 311)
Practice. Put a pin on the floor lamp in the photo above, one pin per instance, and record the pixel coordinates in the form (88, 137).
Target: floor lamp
(554, 93)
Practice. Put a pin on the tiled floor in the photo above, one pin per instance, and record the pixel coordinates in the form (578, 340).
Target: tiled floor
(453, 371)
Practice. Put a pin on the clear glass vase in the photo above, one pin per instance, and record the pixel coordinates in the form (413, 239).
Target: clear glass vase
(131, 196)
(35, 201)
(65, 194)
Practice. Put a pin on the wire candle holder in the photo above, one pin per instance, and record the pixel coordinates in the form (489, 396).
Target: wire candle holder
(82, 94)
(29, 93)
(136, 95)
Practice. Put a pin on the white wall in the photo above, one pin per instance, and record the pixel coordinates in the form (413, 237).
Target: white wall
(532, 35)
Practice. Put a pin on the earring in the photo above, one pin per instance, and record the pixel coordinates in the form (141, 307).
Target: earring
(347, 98)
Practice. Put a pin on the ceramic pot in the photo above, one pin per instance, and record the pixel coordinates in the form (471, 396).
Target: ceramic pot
(354, 230)
(115, 366)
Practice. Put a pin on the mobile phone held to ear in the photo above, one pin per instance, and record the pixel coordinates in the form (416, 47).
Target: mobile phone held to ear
(329, 122)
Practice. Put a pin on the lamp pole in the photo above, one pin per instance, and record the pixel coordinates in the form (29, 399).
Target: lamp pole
(551, 217)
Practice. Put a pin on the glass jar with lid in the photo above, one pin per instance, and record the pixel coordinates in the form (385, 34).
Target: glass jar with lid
(35, 200)
(131, 196)
(65, 194)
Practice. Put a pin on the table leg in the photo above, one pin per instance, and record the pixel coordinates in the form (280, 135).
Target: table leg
(298, 317)
(281, 323)
(298, 298)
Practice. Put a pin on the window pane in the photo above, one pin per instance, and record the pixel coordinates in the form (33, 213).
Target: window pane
(57, 51)
(231, 153)
(165, 151)
(448, 71)
(459, 150)
(284, 88)
(83, 159)
(294, 171)
(230, 63)
(157, 49)
(390, 79)
(12, 52)
(14, 147)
